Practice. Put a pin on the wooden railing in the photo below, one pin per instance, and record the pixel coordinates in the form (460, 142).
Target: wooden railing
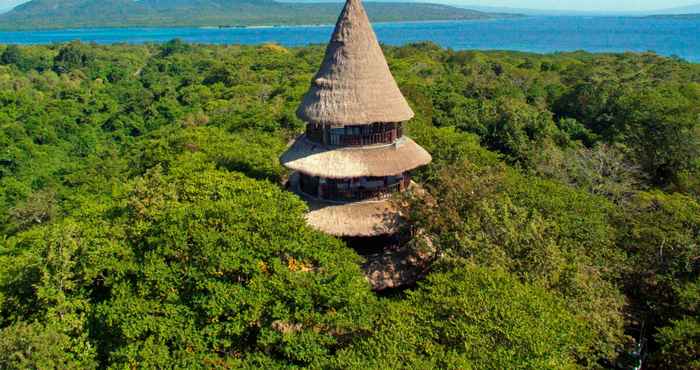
(359, 194)
(381, 135)
(362, 140)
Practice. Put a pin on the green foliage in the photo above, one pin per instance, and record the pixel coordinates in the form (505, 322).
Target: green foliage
(72, 56)
(680, 341)
(517, 129)
(663, 234)
(679, 344)
(543, 232)
(471, 318)
(33, 346)
(661, 128)
(602, 170)
(142, 225)
(184, 270)
(663, 240)
(448, 146)
(248, 152)
(11, 55)
(234, 271)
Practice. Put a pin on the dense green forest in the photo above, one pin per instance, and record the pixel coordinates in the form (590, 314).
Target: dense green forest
(143, 223)
(47, 14)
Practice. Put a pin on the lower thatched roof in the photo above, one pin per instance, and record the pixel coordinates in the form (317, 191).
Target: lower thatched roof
(354, 219)
(384, 160)
(359, 219)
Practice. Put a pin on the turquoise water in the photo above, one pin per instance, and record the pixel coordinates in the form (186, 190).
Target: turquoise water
(534, 34)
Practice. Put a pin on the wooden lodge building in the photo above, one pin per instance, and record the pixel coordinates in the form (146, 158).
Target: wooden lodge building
(354, 155)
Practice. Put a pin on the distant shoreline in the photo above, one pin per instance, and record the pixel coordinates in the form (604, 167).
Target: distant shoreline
(691, 17)
(675, 16)
(532, 34)
(253, 27)
(321, 25)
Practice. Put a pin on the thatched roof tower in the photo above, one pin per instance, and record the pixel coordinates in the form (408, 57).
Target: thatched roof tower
(354, 85)
(354, 155)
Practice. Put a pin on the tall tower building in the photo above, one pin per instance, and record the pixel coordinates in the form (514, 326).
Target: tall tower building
(354, 155)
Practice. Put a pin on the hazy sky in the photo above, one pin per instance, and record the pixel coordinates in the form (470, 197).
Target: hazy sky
(594, 5)
(6, 4)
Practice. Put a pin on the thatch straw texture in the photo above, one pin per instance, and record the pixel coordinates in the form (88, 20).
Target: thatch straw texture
(359, 219)
(335, 163)
(354, 85)
(354, 219)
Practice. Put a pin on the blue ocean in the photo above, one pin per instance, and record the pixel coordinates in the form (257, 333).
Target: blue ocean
(670, 37)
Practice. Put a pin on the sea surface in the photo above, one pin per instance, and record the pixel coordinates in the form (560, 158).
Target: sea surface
(670, 37)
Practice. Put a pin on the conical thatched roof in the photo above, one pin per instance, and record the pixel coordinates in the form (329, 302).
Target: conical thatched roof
(354, 85)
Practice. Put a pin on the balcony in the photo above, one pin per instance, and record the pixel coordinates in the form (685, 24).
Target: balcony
(360, 194)
(353, 190)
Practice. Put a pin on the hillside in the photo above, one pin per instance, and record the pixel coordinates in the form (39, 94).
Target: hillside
(52, 14)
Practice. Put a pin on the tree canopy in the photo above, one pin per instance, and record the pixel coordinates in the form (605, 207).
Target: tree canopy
(143, 222)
